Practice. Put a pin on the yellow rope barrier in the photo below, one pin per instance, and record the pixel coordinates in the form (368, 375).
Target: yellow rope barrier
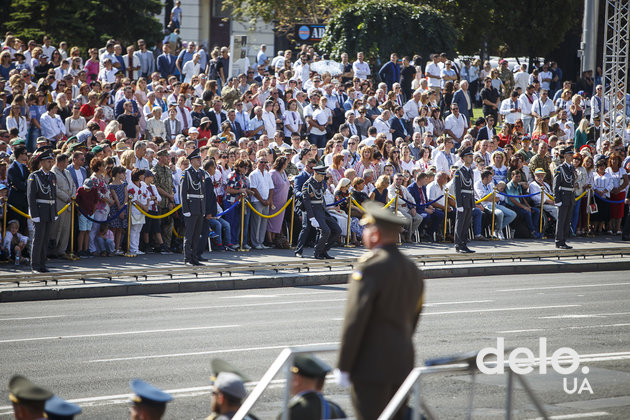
(269, 216)
(391, 201)
(161, 216)
(357, 204)
(484, 198)
(177, 235)
(21, 213)
(581, 195)
(63, 209)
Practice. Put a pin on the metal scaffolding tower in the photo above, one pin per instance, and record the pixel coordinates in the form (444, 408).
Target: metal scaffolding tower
(615, 68)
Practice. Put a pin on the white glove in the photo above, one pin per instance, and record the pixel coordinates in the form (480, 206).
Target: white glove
(341, 378)
(186, 214)
(56, 218)
(460, 209)
(558, 204)
(314, 222)
(35, 219)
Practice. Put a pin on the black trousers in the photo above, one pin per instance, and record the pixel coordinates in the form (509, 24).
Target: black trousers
(193, 226)
(39, 247)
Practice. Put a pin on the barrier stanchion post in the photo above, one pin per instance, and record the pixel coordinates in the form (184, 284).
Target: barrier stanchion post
(542, 202)
(445, 212)
(243, 204)
(588, 213)
(73, 203)
(396, 213)
(348, 245)
(128, 253)
(4, 216)
(494, 197)
(292, 220)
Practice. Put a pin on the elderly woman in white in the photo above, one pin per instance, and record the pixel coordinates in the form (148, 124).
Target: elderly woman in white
(155, 125)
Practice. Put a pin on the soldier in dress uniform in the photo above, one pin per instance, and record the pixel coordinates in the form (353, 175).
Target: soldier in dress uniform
(59, 409)
(27, 398)
(193, 205)
(228, 391)
(164, 184)
(563, 182)
(149, 402)
(465, 199)
(385, 296)
(41, 192)
(307, 380)
(315, 208)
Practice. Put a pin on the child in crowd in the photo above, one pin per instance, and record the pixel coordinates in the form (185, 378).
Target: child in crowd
(152, 226)
(14, 243)
(118, 188)
(86, 200)
(140, 196)
(104, 241)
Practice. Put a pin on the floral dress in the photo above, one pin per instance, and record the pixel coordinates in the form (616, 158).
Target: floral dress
(120, 190)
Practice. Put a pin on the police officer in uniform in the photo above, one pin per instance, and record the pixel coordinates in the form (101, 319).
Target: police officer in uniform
(193, 205)
(27, 398)
(315, 209)
(385, 297)
(149, 402)
(308, 403)
(563, 182)
(41, 192)
(465, 199)
(59, 409)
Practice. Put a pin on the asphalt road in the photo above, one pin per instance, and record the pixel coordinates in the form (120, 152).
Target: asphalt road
(89, 349)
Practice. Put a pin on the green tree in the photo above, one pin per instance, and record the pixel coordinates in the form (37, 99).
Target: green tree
(380, 27)
(85, 22)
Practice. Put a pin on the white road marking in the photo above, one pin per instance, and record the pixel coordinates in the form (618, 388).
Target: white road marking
(572, 286)
(519, 331)
(579, 327)
(243, 305)
(280, 294)
(583, 316)
(32, 317)
(524, 308)
(577, 415)
(198, 353)
(456, 302)
(19, 340)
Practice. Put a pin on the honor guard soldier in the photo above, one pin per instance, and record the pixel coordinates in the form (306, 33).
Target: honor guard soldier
(27, 398)
(385, 296)
(307, 381)
(193, 205)
(41, 192)
(315, 207)
(228, 391)
(563, 183)
(465, 199)
(149, 402)
(59, 409)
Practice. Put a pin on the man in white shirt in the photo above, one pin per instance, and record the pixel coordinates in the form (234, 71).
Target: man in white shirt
(503, 216)
(302, 69)
(412, 107)
(262, 200)
(361, 68)
(455, 124)
(546, 77)
(382, 124)
(444, 159)
(521, 78)
(62, 70)
(433, 73)
(543, 107)
(48, 48)
(183, 114)
(107, 74)
(525, 101)
(51, 125)
(538, 185)
(191, 68)
(510, 109)
(596, 103)
(132, 63)
(269, 119)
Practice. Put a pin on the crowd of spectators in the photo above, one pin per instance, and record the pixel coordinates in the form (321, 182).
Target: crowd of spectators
(122, 119)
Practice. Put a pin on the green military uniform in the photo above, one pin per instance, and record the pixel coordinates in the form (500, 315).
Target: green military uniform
(541, 162)
(311, 404)
(164, 180)
(384, 302)
(24, 392)
(507, 77)
(230, 95)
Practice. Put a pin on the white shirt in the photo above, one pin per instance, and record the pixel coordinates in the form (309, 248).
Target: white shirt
(269, 119)
(434, 191)
(525, 104)
(107, 76)
(482, 190)
(361, 69)
(534, 188)
(521, 79)
(507, 107)
(543, 109)
(302, 71)
(457, 124)
(78, 174)
(411, 109)
(48, 51)
(51, 126)
(135, 62)
(545, 75)
(433, 70)
(190, 70)
(442, 162)
(382, 126)
(262, 182)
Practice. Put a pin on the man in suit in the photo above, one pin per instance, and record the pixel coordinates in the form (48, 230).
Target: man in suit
(166, 62)
(236, 127)
(42, 203)
(399, 125)
(183, 114)
(65, 191)
(17, 175)
(390, 72)
(463, 101)
(193, 205)
(563, 183)
(77, 170)
(377, 353)
(487, 132)
(217, 116)
(465, 198)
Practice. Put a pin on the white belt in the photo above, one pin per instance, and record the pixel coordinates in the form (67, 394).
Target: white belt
(195, 195)
(317, 202)
(467, 191)
(41, 201)
(566, 189)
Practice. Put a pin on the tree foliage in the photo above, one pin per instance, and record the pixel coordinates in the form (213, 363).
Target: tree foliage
(517, 28)
(380, 27)
(84, 22)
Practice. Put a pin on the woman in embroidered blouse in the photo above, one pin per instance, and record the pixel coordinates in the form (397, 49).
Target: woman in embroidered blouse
(237, 185)
(367, 155)
(292, 119)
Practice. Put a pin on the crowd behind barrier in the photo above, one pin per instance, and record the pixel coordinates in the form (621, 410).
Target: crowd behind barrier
(120, 127)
